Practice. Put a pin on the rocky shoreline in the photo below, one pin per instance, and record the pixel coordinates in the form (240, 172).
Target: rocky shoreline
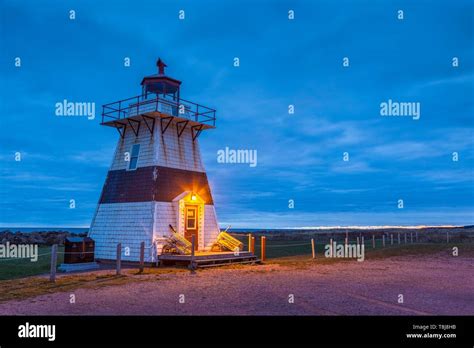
(39, 237)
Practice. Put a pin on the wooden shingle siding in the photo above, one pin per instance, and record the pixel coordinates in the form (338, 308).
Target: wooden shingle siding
(160, 149)
(147, 154)
(181, 153)
(133, 223)
(123, 186)
(165, 215)
(211, 227)
(126, 223)
(153, 183)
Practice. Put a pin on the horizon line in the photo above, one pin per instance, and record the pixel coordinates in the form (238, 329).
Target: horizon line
(364, 227)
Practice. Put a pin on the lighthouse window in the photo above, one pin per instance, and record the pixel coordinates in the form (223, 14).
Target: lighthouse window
(191, 218)
(134, 157)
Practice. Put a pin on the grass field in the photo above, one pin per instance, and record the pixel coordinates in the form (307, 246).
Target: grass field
(285, 248)
(17, 289)
(301, 261)
(20, 268)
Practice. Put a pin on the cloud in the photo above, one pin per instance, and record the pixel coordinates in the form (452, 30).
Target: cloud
(447, 176)
(437, 143)
(101, 158)
(30, 177)
(406, 150)
(295, 219)
(353, 167)
(447, 81)
(345, 191)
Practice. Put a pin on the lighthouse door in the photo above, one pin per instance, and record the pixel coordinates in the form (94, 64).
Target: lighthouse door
(191, 223)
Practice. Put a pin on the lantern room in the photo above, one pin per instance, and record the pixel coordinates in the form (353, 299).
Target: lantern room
(159, 85)
(160, 101)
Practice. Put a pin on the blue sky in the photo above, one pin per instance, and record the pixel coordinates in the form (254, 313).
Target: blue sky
(282, 62)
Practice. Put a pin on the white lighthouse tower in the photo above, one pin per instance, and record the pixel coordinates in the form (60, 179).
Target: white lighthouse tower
(157, 183)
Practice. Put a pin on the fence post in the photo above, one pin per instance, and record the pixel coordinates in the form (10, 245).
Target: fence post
(252, 245)
(383, 240)
(447, 236)
(411, 237)
(416, 236)
(54, 258)
(391, 238)
(119, 259)
(399, 238)
(142, 256)
(193, 243)
(250, 242)
(312, 248)
(405, 238)
(373, 241)
(346, 241)
(262, 248)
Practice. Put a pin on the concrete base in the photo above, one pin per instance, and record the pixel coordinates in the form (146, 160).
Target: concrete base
(76, 267)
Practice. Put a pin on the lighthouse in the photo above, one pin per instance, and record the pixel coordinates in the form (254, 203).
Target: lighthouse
(156, 185)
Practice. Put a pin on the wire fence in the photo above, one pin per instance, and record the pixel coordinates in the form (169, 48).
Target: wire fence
(281, 245)
(276, 246)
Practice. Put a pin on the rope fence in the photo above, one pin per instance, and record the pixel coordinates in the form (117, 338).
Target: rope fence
(287, 245)
(22, 258)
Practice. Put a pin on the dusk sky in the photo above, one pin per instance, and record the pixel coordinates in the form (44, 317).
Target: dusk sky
(282, 62)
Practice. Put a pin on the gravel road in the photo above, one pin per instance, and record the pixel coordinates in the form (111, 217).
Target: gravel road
(430, 284)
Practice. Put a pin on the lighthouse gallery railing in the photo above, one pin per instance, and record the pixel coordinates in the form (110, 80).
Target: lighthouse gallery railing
(141, 104)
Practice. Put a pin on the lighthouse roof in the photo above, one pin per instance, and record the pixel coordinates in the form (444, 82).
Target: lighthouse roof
(158, 77)
(160, 82)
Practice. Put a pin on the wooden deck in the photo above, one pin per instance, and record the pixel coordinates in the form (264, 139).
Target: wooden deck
(209, 259)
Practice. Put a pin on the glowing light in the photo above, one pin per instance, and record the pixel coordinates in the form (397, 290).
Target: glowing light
(193, 197)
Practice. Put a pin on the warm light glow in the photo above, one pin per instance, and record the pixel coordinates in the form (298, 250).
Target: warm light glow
(193, 197)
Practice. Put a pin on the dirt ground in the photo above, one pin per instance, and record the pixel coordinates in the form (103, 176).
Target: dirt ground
(430, 284)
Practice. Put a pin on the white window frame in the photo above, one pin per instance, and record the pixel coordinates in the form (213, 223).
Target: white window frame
(196, 212)
(131, 156)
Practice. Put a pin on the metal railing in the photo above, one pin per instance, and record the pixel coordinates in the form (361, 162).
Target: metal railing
(141, 104)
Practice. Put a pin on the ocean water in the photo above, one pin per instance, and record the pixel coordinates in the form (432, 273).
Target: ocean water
(75, 230)
(316, 230)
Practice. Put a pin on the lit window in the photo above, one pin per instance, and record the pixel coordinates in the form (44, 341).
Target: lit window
(191, 218)
(134, 157)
